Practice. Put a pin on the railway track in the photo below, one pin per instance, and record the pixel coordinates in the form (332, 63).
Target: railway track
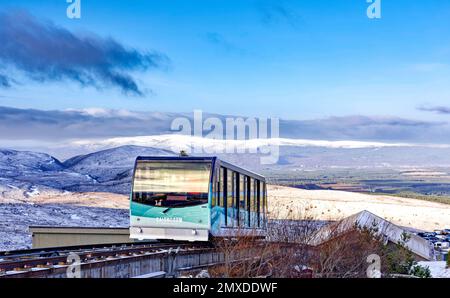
(25, 261)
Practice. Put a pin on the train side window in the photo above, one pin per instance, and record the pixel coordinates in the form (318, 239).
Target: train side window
(255, 199)
(249, 201)
(218, 184)
(258, 202)
(215, 189)
(243, 201)
(230, 199)
(237, 193)
(223, 175)
(265, 206)
(253, 209)
(220, 188)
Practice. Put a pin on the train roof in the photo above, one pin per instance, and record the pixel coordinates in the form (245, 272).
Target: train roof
(182, 158)
(204, 158)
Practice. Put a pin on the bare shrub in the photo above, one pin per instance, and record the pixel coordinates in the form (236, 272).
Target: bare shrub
(283, 253)
(345, 256)
(298, 245)
(252, 257)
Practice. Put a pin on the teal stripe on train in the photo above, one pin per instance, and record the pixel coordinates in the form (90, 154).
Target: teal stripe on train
(186, 217)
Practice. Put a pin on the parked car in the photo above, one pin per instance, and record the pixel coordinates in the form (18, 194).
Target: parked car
(432, 239)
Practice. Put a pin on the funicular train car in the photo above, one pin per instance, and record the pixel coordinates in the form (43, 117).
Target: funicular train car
(194, 198)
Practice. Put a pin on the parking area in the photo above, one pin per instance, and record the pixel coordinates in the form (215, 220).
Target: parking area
(440, 240)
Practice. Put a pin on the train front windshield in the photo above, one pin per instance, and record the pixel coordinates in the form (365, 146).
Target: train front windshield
(171, 184)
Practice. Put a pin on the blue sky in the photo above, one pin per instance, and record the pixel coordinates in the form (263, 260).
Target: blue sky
(291, 59)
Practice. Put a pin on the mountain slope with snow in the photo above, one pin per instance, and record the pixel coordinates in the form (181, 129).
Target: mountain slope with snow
(108, 170)
(107, 164)
(12, 162)
(293, 153)
(27, 171)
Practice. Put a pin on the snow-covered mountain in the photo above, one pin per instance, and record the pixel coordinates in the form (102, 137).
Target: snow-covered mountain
(13, 162)
(107, 164)
(27, 170)
(107, 170)
(110, 170)
(293, 153)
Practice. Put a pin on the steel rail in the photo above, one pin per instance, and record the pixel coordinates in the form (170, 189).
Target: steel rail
(92, 255)
(51, 250)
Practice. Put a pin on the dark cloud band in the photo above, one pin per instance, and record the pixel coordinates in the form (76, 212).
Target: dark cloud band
(4, 81)
(46, 52)
(435, 109)
(31, 124)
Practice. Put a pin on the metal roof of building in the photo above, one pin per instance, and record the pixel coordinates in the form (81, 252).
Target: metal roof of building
(380, 227)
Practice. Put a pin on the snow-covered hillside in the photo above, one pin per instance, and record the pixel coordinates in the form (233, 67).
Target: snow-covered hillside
(16, 219)
(31, 171)
(104, 165)
(293, 153)
(108, 170)
(38, 189)
(13, 162)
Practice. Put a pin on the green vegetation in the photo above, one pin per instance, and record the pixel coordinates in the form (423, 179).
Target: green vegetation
(430, 187)
(418, 196)
(400, 260)
(420, 271)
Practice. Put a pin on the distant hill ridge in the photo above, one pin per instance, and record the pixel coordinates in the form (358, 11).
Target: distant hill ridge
(110, 170)
(106, 170)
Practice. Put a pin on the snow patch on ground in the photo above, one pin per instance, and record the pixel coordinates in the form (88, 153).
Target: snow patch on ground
(438, 269)
(17, 217)
(34, 191)
(75, 217)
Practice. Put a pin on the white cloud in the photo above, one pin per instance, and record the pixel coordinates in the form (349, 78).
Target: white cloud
(107, 113)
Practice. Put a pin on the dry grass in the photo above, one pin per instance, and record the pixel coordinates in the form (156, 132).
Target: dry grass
(86, 199)
(287, 201)
(251, 257)
(335, 205)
